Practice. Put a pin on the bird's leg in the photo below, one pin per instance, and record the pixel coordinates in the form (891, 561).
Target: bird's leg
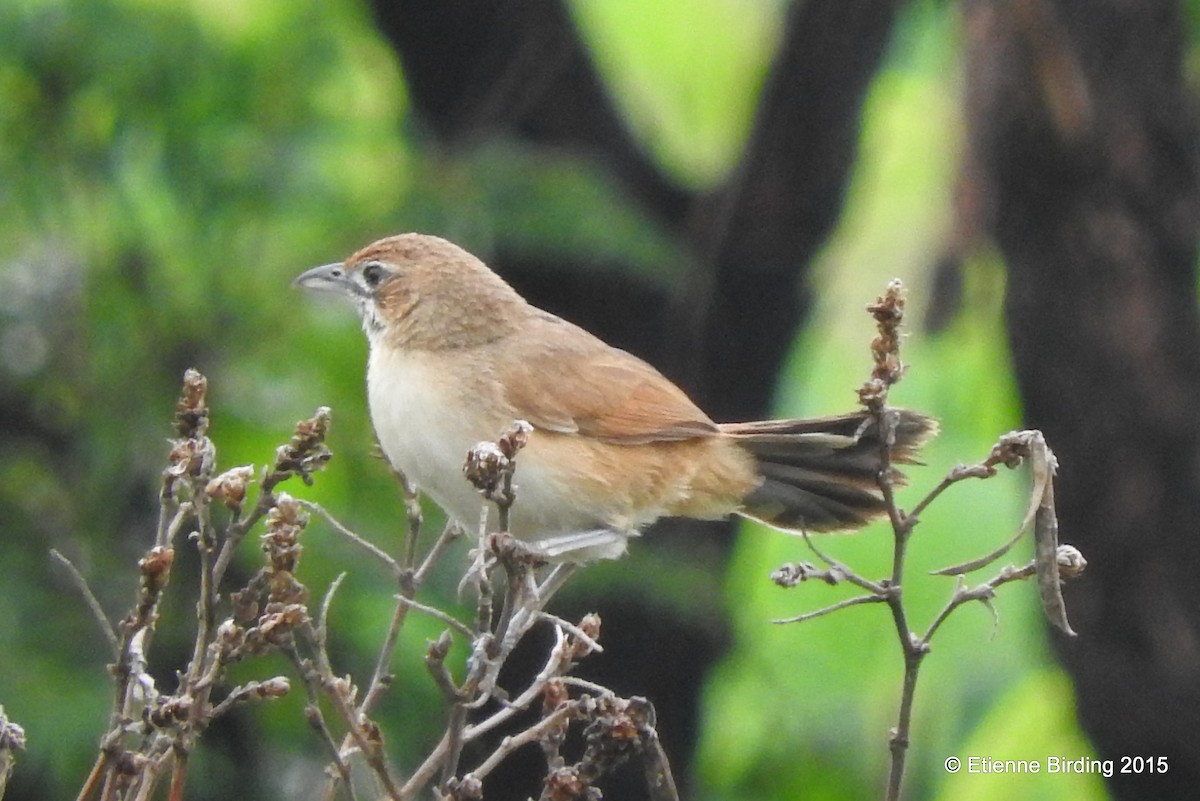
(583, 546)
(555, 581)
(521, 603)
(525, 596)
(529, 599)
(483, 558)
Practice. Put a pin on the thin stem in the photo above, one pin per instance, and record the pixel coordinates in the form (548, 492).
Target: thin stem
(178, 776)
(412, 508)
(531, 735)
(318, 675)
(659, 778)
(162, 537)
(565, 625)
(455, 741)
(366, 545)
(90, 599)
(316, 721)
(408, 589)
(93, 779)
(238, 530)
(844, 570)
(899, 740)
(861, 599)
(913, 651)
(984, 469)
(148, 778)
(960, 596)
(590, 686)
(206, 606)
(322, 629)
(449, 534)
(950, 480)
(984, 592)
(433, 611)
(410, 583)
(424, 773)
(553, 668)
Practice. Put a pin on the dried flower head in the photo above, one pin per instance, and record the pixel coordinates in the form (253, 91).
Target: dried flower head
(468, 788)
(554, 695)
(191, 412)
(616, 731)
(167, 711)
(156, 569)
(285, 523)
(276, 687)
(490, 466)
(192, 458)
(485, 467)
(514, 438)
(565, 784)
(230, 487)
(578, 647)
(306, 452)
(12, 736)
(1070, 562)
(888, 311)
(275, 627)
(229, 641)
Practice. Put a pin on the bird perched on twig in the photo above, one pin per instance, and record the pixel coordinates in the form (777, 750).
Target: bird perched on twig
(456, 356)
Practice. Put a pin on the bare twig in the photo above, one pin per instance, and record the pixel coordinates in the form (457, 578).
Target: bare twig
(659, 779)
(95, 777)
(530, 735)
(319, 674)
(1052, 562)
(412, 513)
(844, 571)
(410, 583)
(151, 735)
(322, 627)
(433, 611)
(90, 599)
(584, 637)
(556, 665)
(392, 565)
(861, 599)
(312, 714)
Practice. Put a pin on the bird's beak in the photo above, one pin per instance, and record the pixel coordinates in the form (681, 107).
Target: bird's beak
(327, 278)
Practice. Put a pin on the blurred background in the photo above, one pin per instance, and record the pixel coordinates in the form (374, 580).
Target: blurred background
(719, 186)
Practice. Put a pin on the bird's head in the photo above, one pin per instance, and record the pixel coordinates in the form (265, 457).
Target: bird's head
(421, 292)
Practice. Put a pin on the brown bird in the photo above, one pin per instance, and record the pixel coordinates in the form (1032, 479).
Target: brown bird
(456, 356)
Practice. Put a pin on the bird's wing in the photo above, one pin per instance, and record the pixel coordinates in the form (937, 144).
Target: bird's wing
(579, 385)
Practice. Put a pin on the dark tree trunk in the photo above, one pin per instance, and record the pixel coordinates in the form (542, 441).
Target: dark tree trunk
(1086, 143)
(479, 68)
(755, 237)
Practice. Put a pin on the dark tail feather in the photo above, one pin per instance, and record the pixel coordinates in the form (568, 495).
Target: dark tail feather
(820, 475)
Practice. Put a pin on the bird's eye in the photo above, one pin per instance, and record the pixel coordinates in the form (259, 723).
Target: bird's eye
(373, 274)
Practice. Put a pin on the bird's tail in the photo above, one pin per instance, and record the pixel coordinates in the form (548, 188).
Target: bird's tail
(822, 474)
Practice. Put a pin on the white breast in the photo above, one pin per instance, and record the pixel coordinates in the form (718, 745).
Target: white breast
(420, 420)
(428, 416)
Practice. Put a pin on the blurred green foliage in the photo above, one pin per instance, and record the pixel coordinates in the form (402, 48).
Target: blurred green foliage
(168, 167)
(687, 74)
